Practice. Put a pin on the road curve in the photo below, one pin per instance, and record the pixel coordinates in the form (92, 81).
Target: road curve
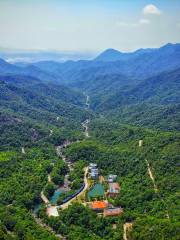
(65, 205)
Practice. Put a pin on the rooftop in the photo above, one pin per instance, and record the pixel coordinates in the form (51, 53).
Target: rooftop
(92, 165)
(99, 205)
(112, 212)
(114, 188)
(114, 185)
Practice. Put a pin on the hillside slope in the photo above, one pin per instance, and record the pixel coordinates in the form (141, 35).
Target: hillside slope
(153, 103)
(30, 109)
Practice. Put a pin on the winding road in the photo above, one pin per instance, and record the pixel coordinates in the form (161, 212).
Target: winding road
(65, 205)
(53, 210)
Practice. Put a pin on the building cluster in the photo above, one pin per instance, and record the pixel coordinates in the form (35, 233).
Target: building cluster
(114, 187)
(104, 208)
(94, 173)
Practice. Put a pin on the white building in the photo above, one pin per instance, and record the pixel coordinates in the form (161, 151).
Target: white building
(111, 178)
(93, 170)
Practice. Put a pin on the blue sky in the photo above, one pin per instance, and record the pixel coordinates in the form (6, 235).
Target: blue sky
(88, 25)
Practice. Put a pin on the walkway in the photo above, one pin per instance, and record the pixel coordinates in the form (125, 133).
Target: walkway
(126, 227)
(44, 198)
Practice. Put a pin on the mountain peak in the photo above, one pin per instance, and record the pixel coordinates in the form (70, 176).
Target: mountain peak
(111, 50)
(109, 54)
(171, 45)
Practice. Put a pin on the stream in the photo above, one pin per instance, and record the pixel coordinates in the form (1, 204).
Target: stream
(62, 189)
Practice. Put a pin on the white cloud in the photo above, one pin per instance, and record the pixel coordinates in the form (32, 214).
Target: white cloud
(151, 9)
(144, 21)
(140, 22)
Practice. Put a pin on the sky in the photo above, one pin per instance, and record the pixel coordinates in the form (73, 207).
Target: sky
(88, 25)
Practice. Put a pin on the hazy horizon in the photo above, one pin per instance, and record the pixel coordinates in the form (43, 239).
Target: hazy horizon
(35, 55)
(90, 26)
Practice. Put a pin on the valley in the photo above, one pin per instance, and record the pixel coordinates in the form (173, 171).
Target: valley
(90, 149)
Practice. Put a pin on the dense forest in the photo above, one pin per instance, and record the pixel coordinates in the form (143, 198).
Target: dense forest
(44, 105)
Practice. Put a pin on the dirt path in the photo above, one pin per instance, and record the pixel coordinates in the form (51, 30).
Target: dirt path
(86, 128)
(51, 132)
(87, 121)
(87, 101)
(23, 150)
(126, 227)
(156, 188)
(49, 178)
(152, 177)
(44, 198)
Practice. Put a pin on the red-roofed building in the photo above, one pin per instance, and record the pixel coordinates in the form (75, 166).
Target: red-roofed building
(98, 205)
(112, 212)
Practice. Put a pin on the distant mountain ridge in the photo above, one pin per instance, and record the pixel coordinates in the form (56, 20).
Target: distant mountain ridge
(140, 64)
(146, 76)
(112, 55)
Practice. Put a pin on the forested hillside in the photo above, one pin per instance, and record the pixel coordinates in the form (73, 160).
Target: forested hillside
(116, 149)
(57, 118)
(30, 109)
(153, 103)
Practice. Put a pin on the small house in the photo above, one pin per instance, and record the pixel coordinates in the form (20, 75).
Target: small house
(93, 170)
(98, 206)
(111, 178)
(94, 173)
(92, 166)
(113, 190)
(112, 212)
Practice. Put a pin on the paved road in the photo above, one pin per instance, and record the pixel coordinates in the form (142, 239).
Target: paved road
(65, 205)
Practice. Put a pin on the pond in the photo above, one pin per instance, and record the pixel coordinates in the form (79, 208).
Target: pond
(53, 200)
(56, 195)
(96, 191)
(37, 208)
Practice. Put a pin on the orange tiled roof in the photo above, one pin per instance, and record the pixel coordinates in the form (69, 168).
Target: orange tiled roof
(98, 205)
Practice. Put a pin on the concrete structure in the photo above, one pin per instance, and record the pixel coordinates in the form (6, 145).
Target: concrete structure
(94, 173)
(93, 170)
(112, 212)
(52, 211)
(111, 178)
(92, 166)
(114, 190)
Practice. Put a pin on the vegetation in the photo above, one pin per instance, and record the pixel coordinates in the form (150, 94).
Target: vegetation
(115, 149)
(22, 178)
(77, 175)
(77, 219)
(128, 103)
